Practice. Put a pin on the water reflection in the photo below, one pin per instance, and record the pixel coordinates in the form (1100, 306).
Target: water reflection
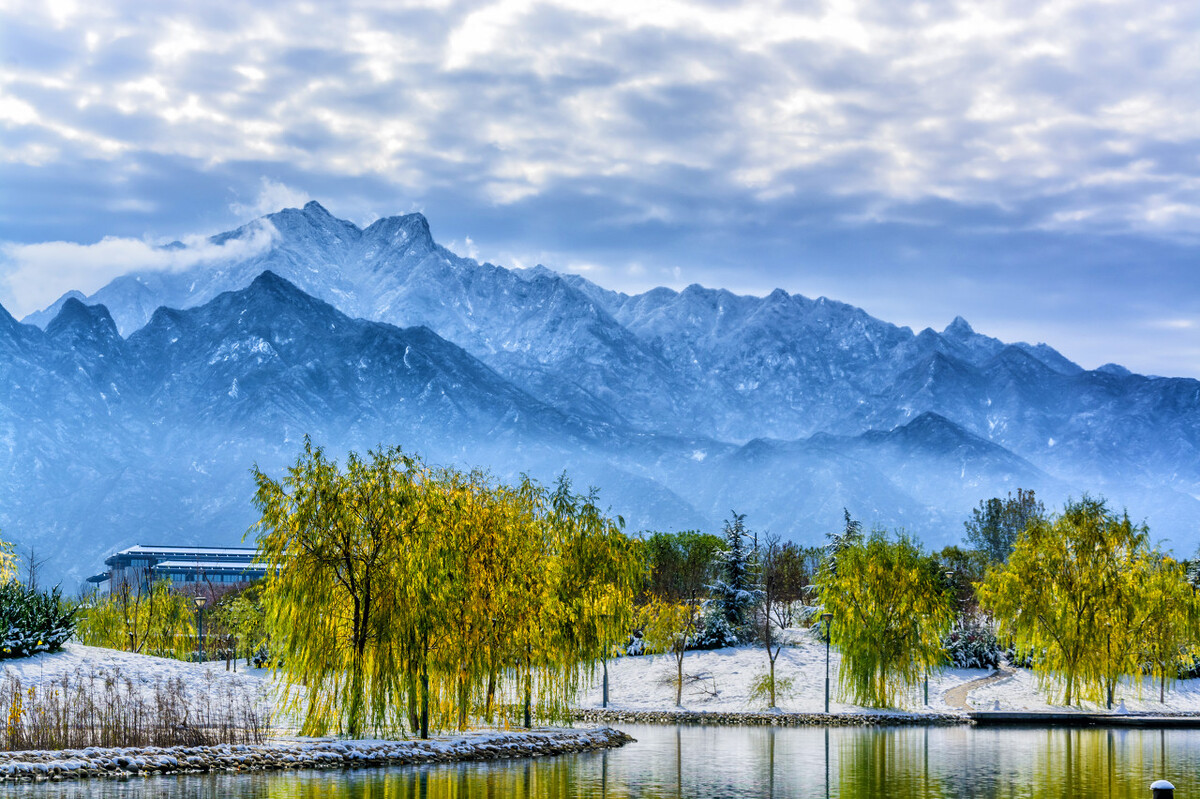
(677, 762)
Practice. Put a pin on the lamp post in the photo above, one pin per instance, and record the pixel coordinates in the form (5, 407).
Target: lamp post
(828, 619)
(606, 617)
(201, 601)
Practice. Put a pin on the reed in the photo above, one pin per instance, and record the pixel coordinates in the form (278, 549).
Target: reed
(106, 708)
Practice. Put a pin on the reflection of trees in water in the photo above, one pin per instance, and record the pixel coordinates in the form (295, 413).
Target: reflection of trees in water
(1108, 763)
(889, 762)
(672, 763)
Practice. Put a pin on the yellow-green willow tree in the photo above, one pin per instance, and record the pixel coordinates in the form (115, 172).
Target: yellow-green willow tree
(891, 605)
(1173, 619)
(403, 593)
(336, 541)
(8, 562)
(1074, 595)
(149, 619)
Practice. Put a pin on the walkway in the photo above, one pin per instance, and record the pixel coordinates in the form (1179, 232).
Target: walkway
(957, 696)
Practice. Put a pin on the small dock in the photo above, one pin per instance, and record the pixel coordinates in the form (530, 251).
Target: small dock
(1042, 718)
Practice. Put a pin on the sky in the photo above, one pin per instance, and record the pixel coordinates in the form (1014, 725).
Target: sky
(1031, 166)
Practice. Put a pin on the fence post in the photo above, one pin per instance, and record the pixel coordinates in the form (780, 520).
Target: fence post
(1162, 789)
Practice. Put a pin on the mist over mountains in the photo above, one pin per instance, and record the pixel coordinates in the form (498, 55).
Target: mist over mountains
(134, 414)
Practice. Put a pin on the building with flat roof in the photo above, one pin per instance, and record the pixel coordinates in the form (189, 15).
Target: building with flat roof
(142, 564)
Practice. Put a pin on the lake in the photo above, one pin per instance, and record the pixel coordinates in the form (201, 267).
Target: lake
(710, 762)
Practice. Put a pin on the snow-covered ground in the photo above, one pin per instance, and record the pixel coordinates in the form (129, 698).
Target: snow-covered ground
(202, 684)
(720, 681)
(1021, 691)
(145, 670)
(717, 680)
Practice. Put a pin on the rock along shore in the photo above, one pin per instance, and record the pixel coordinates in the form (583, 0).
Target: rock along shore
(122, 763)
(611, 716)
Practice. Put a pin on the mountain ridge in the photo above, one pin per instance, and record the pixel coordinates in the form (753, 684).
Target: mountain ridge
(160, 389)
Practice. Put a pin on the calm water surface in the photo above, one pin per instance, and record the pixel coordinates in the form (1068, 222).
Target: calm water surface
(728, 761)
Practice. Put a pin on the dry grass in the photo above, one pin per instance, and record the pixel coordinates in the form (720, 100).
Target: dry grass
(106, 708)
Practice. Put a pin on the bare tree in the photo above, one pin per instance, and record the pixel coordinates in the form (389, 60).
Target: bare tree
(31, 566)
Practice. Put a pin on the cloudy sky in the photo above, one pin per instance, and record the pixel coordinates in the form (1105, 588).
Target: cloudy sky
(1032, 166)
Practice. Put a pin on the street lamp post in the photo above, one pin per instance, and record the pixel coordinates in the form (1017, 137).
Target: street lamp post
(606, 617)
(201, 601)
(828, 619)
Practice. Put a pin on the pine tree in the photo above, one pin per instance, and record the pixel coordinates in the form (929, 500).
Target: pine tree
(735, 596)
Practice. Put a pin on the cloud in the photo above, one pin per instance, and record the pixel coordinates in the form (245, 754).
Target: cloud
(272, 196)
(37, 274)
(998, 104)
(884, 153)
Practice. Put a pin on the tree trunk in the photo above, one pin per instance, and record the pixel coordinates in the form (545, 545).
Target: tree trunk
(355, 712)
(491, 697)
(464, 696)
(679, 678)
(773, 682)
(424, 701)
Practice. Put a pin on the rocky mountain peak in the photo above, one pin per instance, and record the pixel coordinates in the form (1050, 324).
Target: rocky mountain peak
(958, 329)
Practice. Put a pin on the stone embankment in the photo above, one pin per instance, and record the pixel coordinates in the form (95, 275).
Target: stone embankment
(126, 762)
(611, 716)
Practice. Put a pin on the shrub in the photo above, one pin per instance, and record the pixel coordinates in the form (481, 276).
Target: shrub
(715, 631)
(970, 645)
(760, 689)
(32, 621)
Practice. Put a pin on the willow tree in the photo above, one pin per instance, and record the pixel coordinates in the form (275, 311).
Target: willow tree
(1172, 612)
(8, 562)
(597, 570)
(335, 540)
(402, 593)
(890, 606)
(1070, 596)
(135, 617)
(668, 627)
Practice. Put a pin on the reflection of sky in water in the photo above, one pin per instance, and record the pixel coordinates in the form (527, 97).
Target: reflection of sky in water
(716, 762)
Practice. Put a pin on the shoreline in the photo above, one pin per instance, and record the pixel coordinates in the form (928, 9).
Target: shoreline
(733, 718)
(286, 755)
(1047, 719)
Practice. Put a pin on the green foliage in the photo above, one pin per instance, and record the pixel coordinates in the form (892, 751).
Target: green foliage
(1172, 617)
(151, 620)
(767, 689)
(972, 645)
(850, 535)
(32, 621)
(994, 525)
(965, 570)
(8, 562)
(890, 607)
(241, 617)
(680, 564)
(785, 579)
(411, 595)
(669, 627)
(735, 594)
(1084, 594)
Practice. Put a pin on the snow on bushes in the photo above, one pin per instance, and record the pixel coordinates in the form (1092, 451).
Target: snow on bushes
(971, 645)
(32, 621)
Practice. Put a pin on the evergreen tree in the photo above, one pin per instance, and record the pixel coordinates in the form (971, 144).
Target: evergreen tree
(734, 597)
(850, 535)
(996, 523)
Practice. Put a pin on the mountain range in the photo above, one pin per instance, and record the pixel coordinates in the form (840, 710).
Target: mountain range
(135, 414)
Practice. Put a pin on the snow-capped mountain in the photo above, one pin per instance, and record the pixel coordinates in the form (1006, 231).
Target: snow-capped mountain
(135, 413)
